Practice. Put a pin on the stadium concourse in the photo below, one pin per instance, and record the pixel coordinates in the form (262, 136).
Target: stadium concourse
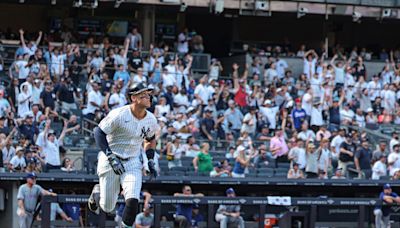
(281, 122)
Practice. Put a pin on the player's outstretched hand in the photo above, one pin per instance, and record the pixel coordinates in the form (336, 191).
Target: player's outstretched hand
(116, 164)
(152, 169)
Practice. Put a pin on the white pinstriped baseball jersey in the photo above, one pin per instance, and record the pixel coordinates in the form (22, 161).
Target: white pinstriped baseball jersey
(125, 133)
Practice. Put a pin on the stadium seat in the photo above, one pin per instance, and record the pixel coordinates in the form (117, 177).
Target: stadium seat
(285, 165)
(176, 173)
(280, 174)
(182, 168)
(251, 175)
(264, 175)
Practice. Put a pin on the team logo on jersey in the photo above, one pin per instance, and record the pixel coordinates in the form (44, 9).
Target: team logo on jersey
(145, 132)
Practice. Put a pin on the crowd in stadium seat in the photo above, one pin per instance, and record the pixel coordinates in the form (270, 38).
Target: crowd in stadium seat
(262, 121)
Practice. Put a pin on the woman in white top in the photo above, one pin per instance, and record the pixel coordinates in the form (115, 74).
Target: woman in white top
(379, 169)
(162, 109)
(295, 172)
(23, 101)
(371, 117)
(324, 157)
(174, 153)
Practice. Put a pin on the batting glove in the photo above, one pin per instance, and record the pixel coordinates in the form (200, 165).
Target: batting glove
(116, 164)
(152, 168)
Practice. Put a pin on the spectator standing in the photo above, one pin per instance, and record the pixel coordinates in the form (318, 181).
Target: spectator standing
(94, 102)
(233, 118)
(215, 69)
(242, 161)
(393, 159)
(51, 146)
(346, 155)
(66, 94)
(183, 41)
(324, 158)
(297, 154)
(278, 146)
(28, 195)
(5, 106)
(174, 152)
(229, 214)
(201, 92)
(382, 213)
(183, 215)
(23, 101)
(202, 163)
(298, 115)
(379, 168)
(312, 161)
(269, 113)
(208, 125)
(362, 159)
(135, 39)
(310, 60)
(250, 122)
(305, 133)
(382, 149)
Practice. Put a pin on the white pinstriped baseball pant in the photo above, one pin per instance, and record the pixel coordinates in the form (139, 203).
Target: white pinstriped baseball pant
(130, 180)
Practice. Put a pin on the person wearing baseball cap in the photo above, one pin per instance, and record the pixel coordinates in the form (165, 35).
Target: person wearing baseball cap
(346, 154)
(298, 115)
(27, 197)
(382, 212)
(229, 214)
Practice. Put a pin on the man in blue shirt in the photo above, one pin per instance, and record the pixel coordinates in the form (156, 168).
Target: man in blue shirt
(73, 210)
(121, 74)
(183, 215)
(382, 213)
(298, 115)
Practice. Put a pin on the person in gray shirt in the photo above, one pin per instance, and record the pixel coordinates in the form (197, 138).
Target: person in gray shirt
(229, 214)
(28, 195)
(145, 219)
(233, 118)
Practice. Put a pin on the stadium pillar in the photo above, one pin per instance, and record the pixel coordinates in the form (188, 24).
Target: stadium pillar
(361, 216)
(157, 215)
(313, 215)
(148, 26)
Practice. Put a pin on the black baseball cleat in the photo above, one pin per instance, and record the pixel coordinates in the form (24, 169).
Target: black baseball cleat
(94, 199)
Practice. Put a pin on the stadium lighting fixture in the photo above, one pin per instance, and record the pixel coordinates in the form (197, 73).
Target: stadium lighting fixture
(118, 3)
(301, 12)
(386, 13)
(95, 4)
(183, 7)
(53, 2)
(77, 4)
(219, 6)
(21, 1)
(357, 16)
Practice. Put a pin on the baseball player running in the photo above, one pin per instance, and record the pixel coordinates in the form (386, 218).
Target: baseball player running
(126, 137)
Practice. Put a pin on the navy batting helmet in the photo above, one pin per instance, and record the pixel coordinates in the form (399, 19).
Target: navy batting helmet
(138, 88)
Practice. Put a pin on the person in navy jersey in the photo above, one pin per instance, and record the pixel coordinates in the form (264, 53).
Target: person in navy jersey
(382, 213)
(183, 215)
(298, 115)
(73, 210)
